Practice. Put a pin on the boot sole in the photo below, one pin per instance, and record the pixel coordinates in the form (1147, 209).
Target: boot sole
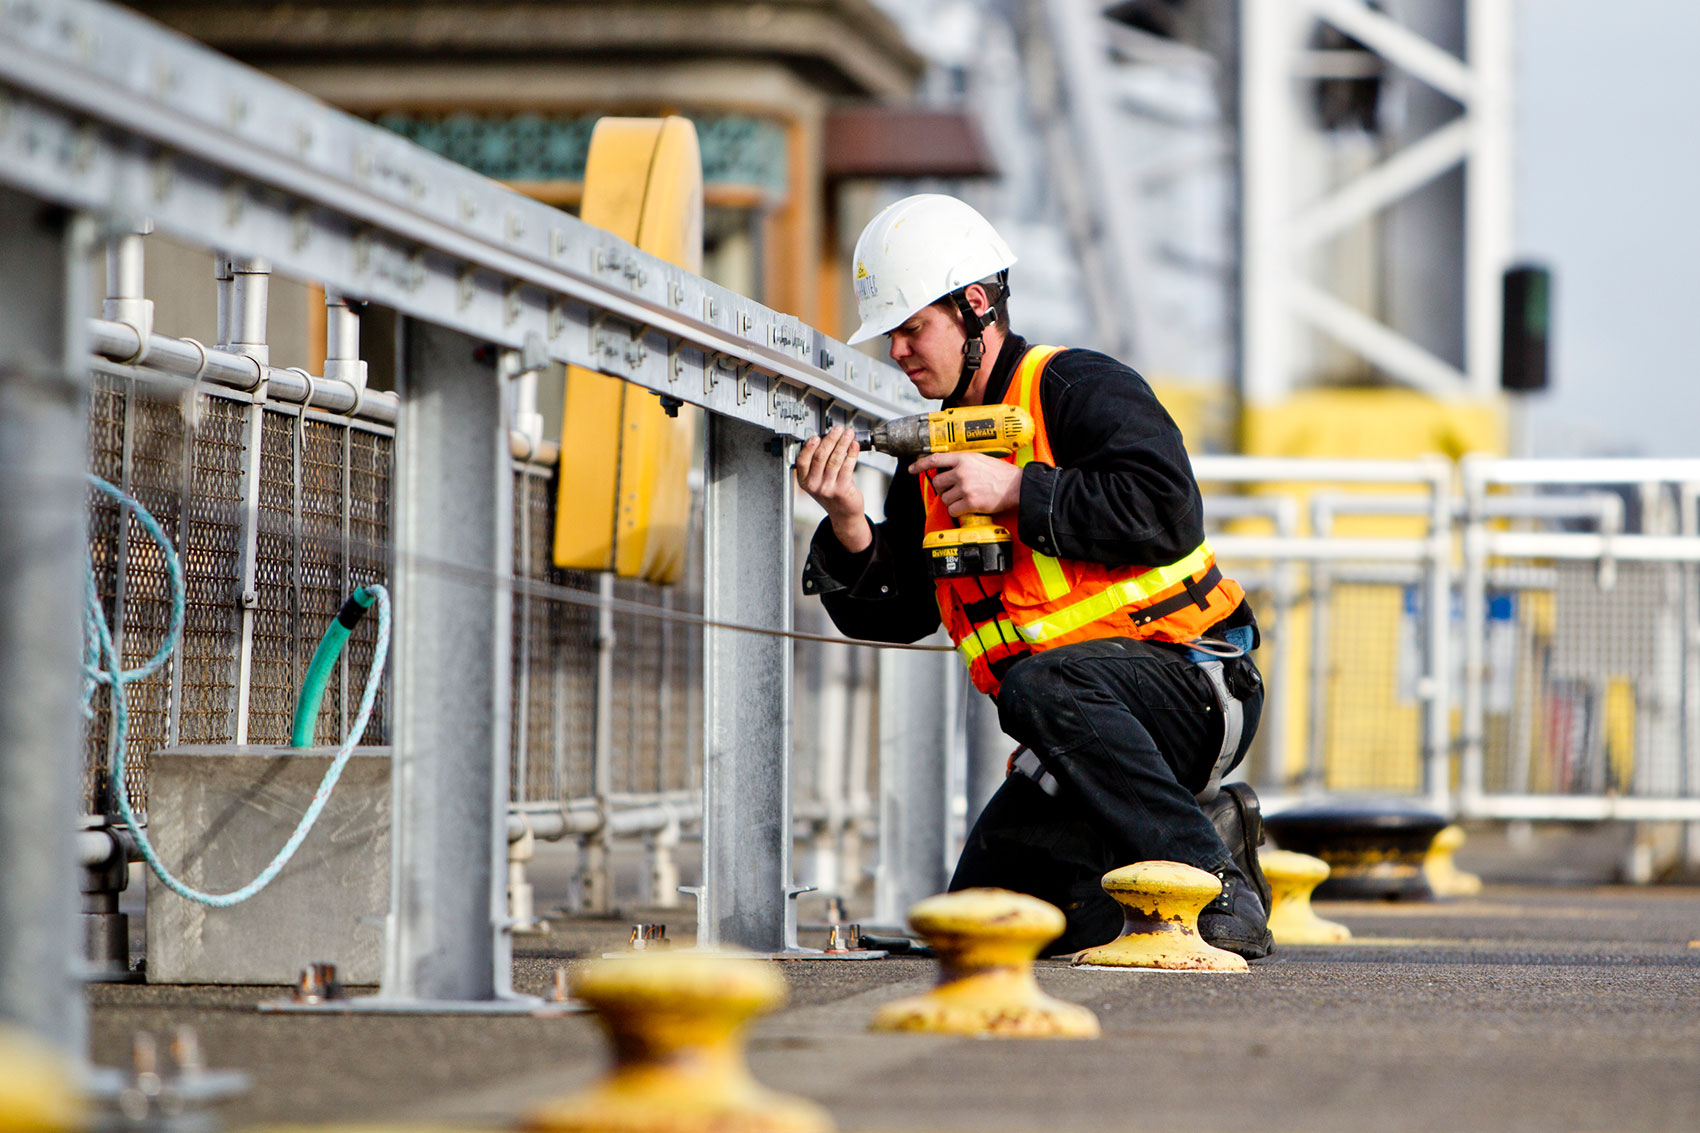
(1244, 948)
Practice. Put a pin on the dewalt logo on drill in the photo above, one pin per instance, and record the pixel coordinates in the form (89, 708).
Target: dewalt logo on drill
(980, 429)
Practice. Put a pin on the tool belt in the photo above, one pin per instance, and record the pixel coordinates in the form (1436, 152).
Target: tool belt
(1208, 654)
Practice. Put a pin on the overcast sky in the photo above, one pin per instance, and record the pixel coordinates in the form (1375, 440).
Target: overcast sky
(1608, 193)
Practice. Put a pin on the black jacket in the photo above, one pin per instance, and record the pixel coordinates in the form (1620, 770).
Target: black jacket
(1122, 492)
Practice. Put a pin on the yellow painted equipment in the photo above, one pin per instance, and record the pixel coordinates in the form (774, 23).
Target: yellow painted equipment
(1444, 876)
(38, 1092)
(976, 545)
(1292, 879)
(676, 1021)
(624, 499)
(986, 941)
(1160, 905)
(1371, 737)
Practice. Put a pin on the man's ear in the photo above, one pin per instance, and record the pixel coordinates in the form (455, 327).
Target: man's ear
(977, 298)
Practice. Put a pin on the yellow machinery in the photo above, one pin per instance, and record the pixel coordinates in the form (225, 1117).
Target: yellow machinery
(623, 502)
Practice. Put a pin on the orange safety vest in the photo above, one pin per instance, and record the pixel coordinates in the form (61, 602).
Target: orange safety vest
(1042, 602)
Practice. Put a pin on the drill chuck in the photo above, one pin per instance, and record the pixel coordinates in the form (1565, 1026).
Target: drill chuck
(966, 428)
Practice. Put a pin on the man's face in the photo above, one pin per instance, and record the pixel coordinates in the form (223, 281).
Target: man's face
(928, 347)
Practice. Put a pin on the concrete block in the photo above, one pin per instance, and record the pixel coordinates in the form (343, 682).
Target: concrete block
(217, 814)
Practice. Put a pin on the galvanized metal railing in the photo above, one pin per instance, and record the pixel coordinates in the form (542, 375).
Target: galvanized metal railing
(1581, 640)
(105, 115)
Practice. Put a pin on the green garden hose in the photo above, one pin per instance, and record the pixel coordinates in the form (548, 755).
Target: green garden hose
(324, 664)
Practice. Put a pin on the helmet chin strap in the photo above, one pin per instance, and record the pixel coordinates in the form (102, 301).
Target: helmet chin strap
(974, 346)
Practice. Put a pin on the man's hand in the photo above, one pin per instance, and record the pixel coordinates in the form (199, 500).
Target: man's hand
(972, 482)
(826, 469)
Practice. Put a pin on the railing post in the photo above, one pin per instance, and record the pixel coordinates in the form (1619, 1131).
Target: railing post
(915, 720)
(43, 559)
(448, 937)
(746, 792)
(1471, 784)
(1437, 698)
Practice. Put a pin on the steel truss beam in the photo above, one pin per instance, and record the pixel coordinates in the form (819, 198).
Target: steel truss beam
(1278, 230)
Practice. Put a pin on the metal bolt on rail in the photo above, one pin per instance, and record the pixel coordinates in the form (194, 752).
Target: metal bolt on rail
(318, 984)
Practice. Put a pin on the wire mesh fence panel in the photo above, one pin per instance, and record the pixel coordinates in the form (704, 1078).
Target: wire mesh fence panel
(321, 583)
(1583, 691)
(554, 656)
(572, 656)
(682, 645)
(212, 573)
(638, 671)
(158, 463)
(1371, 729)
(108, 401)
(322, 528)
(540, 666)
(370, 454)
(273, 671)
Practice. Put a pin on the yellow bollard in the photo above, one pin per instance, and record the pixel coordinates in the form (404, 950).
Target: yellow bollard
(986, 941)
(1160, 903)
(1292, 877)
(1444, 876)
(38, 1091)
(676, 1022)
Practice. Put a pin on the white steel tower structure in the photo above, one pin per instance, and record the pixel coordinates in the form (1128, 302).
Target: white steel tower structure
(1281, 228)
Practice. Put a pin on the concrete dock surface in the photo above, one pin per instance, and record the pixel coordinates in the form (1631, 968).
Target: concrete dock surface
(1528, 1007)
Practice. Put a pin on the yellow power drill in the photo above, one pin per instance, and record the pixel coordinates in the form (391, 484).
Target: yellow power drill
(976, 545)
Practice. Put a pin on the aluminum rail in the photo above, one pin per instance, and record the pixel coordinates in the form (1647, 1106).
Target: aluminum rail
(1248, 469)
(104, 111)
(1491, 470)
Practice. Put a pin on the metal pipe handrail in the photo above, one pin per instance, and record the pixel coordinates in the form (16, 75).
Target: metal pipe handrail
(369, 214)
(184, 357)
(1501, 470)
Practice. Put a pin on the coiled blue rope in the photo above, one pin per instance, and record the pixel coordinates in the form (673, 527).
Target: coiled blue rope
(103, 666)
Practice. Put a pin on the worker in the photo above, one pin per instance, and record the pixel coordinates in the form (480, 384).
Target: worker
(1117, 652)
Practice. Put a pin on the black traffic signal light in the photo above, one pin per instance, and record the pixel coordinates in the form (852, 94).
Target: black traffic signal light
(1528, 322)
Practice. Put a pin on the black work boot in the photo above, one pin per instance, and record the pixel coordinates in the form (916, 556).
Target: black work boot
(1236, 920)
(1238, 820)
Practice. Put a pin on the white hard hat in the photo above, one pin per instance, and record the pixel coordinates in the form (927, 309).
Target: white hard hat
(917, 250)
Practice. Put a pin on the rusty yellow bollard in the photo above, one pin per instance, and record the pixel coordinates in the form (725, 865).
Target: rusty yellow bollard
(1444, 876)
(1160, 904)
(676, 1022)
(1292, 877)
(986, 941)
(38, 1089)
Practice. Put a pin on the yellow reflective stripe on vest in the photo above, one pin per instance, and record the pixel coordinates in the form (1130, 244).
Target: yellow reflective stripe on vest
(1051, 575)
(1114, 597)
(988, 635)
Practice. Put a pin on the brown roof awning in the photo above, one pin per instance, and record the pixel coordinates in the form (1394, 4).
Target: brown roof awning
(876, 141)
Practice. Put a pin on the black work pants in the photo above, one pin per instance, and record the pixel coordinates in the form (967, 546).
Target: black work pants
(1131, 730)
